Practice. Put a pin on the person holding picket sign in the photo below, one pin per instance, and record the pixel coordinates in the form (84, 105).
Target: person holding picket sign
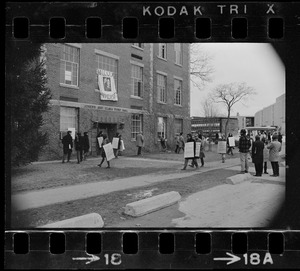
(222, 148)
(189, 152)
(103, 154)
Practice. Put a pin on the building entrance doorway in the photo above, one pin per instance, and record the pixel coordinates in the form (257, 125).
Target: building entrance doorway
(110, 129)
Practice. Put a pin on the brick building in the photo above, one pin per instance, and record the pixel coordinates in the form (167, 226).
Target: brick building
(114, 88)
(209, 126)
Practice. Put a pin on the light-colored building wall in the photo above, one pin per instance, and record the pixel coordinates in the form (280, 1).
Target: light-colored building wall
(272, 115)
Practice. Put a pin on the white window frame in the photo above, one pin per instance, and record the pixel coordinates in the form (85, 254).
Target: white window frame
(175, 91)
(138, 46)
(63, 116)
(178, 54)
(164, 127)
(181, 126)
(136, 125)
(72, 62)
(162, 51)
(161, 90)
(139, 65)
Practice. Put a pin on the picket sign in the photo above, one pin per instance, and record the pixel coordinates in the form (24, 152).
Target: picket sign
(231, 141)
(122, 147)
(222, 147)
(115, 142)
(198, 147)
(189, 150)
(109, 151)
(100, 140)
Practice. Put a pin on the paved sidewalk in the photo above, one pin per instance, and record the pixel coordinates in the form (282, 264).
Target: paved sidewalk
(28, 200)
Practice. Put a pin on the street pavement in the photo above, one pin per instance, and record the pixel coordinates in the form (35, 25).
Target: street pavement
(253, 203)
(35, 199)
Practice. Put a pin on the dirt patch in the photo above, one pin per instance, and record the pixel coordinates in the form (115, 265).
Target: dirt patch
(110, 205)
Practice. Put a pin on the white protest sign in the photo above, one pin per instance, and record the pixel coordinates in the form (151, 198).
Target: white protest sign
(108, 151)
(100, 140)
(221, 146)
(189, 150)
(231, 141)
(72, 132)
(122, 147)
(115, 142)
(198, 147)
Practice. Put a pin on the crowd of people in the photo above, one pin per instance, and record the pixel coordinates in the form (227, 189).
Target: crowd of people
(262, 148)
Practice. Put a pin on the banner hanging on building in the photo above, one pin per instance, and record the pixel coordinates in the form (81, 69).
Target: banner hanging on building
(106, 84)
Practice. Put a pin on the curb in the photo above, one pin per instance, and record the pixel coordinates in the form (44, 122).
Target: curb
(145, 206)
(236, 179)
(92, 220)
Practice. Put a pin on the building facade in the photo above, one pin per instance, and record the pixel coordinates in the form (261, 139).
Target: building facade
(210, 126)
(117, 88)
(272, 115)
(245, 121)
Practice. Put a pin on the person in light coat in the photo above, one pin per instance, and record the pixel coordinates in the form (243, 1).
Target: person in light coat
(274, 149)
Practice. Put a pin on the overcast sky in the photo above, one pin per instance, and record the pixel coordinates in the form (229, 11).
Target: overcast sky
(257, 64)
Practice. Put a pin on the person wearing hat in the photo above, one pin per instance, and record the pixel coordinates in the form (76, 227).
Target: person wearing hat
(258, 156)
(244, 146)
(67, 142)
(274, 149)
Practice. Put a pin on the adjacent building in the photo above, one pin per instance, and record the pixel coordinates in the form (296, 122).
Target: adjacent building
(245, 121)
(210, 126)
(117, 88)
(272, 115)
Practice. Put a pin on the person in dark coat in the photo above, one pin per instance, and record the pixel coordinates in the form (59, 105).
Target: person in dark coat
(258, 156)
(78, 147)
(194, 160)
(100, 134)
(104, 142)
(230, 148)
(86, 145)
(67, 142)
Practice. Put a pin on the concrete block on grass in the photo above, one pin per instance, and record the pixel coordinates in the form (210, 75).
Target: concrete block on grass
(236, 179)
(92, 220)
(145, 206)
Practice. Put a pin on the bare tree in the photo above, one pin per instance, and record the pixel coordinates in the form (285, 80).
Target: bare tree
(200, 68)
(230, 94)
(208, 108)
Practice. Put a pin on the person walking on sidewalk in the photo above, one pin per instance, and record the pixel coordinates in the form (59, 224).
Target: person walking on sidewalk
(194, 160)
(181, 143)
(79, 147)
(86, 145)
(139, 142)
(266, 155)
(177, 143)
(67, 142)
(274, 149)
(104, 142)
(198, 138)
(244, 146)
(230, 148)
(258, 156)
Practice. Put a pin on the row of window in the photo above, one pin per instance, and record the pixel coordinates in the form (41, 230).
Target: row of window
(69, 118)
(206, 124)
(70, 66)
(162, 51)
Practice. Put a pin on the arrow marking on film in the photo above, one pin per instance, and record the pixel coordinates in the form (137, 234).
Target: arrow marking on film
(93, 258)
(231, 259)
